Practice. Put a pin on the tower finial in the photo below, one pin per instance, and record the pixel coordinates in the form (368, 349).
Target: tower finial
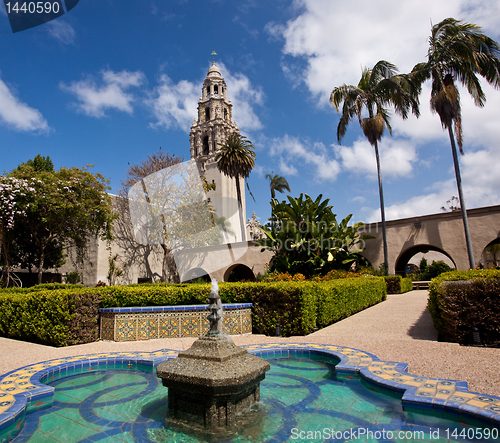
(214, 54)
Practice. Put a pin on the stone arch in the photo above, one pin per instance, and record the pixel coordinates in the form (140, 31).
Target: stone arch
(195, 274)
(491, 258)
(238, 272)
(406, 256)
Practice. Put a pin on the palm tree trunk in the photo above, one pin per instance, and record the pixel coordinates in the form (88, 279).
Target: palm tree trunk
(382, 208)
(238, 195)
(472, 264)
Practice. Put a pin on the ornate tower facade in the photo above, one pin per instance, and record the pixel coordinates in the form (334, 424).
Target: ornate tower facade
(213, 126)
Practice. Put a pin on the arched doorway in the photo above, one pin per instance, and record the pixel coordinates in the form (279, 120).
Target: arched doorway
(239, 272)
(431, 253)
(490, 257)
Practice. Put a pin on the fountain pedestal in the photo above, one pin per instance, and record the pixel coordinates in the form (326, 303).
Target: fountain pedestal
(212, 382)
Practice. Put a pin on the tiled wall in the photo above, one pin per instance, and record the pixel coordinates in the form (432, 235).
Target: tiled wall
(145, 323)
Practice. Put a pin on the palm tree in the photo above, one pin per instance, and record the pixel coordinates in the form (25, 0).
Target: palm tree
(236, 159)
(378, 88)
(277, 183)
(460, 51)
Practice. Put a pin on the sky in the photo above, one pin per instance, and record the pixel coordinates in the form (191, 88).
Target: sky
(112, 81)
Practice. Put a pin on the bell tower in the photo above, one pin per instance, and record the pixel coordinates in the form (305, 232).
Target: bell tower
(213, 125)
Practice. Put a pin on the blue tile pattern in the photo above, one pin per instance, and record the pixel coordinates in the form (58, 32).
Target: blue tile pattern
(25, 390)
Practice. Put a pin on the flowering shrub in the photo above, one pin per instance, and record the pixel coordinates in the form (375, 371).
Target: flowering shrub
(12, 190)
(274, 276)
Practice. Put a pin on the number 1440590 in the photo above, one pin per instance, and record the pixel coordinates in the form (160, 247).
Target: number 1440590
(32, 7)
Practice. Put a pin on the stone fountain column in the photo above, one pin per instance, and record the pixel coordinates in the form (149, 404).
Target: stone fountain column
(212, 381)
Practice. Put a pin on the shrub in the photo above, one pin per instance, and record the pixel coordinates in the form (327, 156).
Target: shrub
(61, 317)
(435, 269)
(398, 285)
(51, 317)
(341, 298)
(434, 303)
(468, 304)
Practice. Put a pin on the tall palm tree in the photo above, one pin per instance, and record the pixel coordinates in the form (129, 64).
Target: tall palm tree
(277, 183)
(236, 159)
(378, 88)
(458, 50)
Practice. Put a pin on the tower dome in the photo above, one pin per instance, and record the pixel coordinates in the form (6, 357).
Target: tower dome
(214, 71)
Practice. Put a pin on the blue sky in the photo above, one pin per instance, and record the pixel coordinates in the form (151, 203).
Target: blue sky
(113, 80)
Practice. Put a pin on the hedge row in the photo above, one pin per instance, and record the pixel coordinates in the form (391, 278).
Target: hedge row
(398, 285)
(60, 317)
(438, 303)
(470, 304)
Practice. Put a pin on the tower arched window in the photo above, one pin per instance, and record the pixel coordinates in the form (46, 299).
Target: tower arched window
(216, 89)
(225, 114)
(205, 145)
(207, 114)
(208, 91)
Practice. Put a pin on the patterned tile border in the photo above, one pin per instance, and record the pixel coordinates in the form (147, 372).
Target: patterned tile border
(24, 388)
(154, 322)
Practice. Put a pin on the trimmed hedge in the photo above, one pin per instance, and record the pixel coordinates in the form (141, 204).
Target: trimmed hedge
(341, 298)
(468, 304)
(435, 303)
(398, 285)
(60, 317)
(51, 317)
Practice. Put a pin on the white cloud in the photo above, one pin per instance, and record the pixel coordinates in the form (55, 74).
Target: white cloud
(287, 169)
(18, 115)
(396, 157)
(62, 31)
(175, 105)
(337, 39)
(94, 100)
(326, 45)
(293, 150)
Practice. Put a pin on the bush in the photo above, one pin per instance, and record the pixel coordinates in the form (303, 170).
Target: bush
(398, 285)
(435, 303)
(468, 304)
(51, 317)
(341, 298)
(61, 317)
(435, 269)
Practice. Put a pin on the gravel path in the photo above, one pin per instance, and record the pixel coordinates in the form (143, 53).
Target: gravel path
(398, 329)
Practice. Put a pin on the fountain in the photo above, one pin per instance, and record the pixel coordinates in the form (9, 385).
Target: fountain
(213, 381)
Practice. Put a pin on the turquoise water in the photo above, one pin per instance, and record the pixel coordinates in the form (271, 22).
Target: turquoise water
(303, 400)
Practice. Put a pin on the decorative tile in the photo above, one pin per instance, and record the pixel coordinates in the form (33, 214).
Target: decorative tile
(144, 323)
(169, 327)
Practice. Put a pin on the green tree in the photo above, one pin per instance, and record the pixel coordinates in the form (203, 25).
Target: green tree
(458, 50)
(12, 203)
(277, 183)
(39, 163)
(236, 159)
(307, 239)
(378, 88)
(62, 207)
(494, 250)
